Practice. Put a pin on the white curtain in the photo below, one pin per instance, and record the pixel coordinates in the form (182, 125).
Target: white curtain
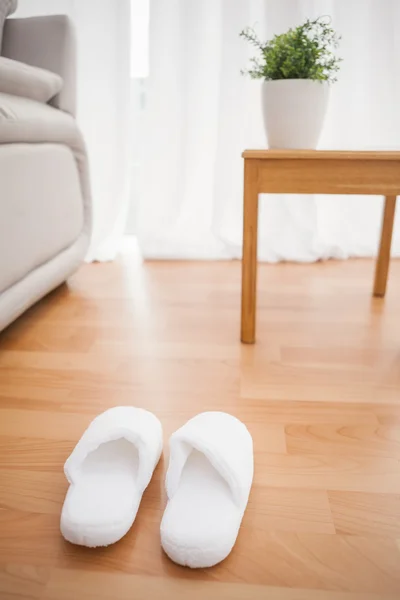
(103, 35)
(201, 114)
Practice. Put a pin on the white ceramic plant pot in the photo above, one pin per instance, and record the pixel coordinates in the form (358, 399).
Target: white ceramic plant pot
(294, 112)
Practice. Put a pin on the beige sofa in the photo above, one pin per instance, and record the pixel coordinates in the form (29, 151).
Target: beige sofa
(45, 204)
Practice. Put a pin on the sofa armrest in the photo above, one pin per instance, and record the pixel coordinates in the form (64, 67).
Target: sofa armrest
(48, 42)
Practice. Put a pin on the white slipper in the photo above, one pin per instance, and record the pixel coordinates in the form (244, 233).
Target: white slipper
(208, 484)
(108, 470)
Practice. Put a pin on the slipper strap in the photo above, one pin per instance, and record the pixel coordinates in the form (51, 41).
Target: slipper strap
(135, 425)
(227, 444)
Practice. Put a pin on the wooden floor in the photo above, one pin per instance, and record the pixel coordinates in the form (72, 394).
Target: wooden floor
(320, 393)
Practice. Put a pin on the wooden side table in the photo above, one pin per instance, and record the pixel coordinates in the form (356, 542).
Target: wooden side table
(313, 172)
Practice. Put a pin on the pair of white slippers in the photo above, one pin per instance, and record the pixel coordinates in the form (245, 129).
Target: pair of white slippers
(208, 482)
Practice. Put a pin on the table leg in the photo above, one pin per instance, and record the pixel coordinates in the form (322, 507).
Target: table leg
(382, 263)
(249, 260)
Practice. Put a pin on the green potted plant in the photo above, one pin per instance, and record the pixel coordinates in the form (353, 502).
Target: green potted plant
(297, 68)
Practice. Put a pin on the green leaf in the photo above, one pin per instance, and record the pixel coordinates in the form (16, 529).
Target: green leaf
(306, 52)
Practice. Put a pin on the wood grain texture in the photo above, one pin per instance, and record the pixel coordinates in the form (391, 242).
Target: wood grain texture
(323, 154)
(101, 586)
(320, 393)
(383, 261)
(330, 176)
(22, 582)
(313, 172)
(249, 262)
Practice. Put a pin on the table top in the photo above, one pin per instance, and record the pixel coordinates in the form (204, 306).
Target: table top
(321, 154)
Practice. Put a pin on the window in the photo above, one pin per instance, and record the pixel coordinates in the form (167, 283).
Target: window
(140, 12)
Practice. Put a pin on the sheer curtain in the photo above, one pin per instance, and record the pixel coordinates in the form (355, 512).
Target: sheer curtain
(201, 113)
(103, 37)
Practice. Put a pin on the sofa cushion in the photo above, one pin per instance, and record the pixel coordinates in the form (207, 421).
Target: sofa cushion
(20, 79)
(7, 7)
(48, 42)
(43, 186)
(25, 120)
(41, 207)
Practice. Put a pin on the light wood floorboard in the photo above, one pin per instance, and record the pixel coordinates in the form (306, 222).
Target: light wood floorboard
(319, 391)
